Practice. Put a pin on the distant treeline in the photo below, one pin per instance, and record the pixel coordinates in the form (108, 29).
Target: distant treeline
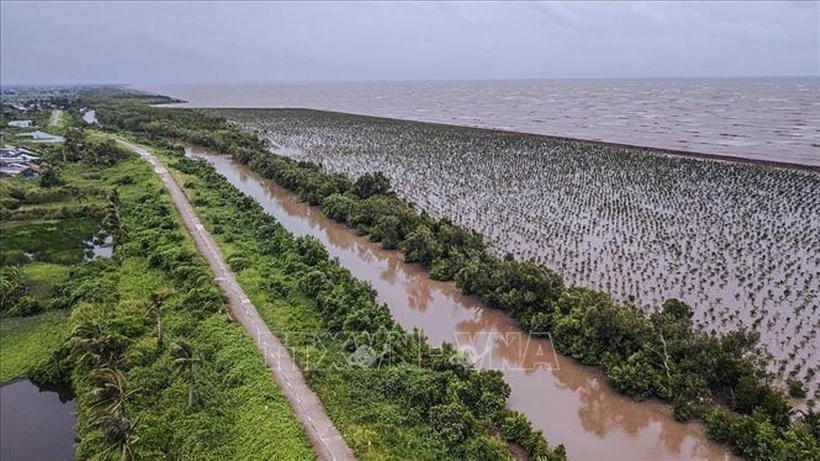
(717, 378)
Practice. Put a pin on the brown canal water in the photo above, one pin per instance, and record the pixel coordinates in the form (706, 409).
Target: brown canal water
(35, 423)
(571, 403)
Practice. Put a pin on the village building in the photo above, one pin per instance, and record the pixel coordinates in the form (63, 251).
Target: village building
(18, 162)
(16, 169)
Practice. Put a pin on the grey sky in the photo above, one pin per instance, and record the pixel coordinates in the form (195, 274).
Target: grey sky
(209, 42)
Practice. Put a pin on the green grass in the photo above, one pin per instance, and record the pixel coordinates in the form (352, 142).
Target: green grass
(40, 278)
(375, 424)
(137, 281)
(242, 413)
(26, 341)
(376, 427)
(49, 240)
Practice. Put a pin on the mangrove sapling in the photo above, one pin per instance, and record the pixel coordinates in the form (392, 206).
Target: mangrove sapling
(506, 186)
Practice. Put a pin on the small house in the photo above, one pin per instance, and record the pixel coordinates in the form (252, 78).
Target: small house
(16, 169)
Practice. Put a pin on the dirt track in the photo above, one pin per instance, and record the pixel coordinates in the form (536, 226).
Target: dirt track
(327, 441)
(55, 117)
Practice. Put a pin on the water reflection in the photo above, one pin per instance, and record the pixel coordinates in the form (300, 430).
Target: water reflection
(101, 245)
(569, 402)
(35, 424)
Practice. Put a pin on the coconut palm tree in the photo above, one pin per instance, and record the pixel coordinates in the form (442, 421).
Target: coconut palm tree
(108, 395)
(118, 436)
(155, 303)
(93, 346)
(109, 390)
(111, 220)
(185, 364)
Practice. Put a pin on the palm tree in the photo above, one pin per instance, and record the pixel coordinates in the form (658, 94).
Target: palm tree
(50, 176)
(108, 395)
(111, 220)
(185, 366)
(75, 144)
(156, 301)
(109, 391)
(92, 345)
(117, 432)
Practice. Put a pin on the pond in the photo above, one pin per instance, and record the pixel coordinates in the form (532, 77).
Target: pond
(99, 246)
(35, 423)
(571, 403)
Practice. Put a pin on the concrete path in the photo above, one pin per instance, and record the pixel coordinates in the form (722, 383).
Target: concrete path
(55, 117)
(327, 442)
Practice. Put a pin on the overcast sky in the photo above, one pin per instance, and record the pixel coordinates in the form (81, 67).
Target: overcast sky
(210, 42)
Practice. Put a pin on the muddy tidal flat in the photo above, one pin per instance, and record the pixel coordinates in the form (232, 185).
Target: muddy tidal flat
(771, 119)
(738, 241)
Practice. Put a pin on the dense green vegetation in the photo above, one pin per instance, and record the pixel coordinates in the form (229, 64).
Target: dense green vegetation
(389, 393)
(152, 324)
(49, 226)
(419, 402)
(717, 378)
(158, 368)
(26, 342)
(44, 233)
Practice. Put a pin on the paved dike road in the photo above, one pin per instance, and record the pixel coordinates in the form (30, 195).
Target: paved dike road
(327, 441)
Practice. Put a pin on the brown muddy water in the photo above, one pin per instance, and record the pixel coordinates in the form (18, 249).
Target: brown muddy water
(35, 423)
(571, 403)
(773, 119)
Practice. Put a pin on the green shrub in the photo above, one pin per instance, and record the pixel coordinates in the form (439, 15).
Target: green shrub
(797, 389)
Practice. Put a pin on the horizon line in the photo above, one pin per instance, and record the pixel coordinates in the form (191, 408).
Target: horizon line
(481, 79)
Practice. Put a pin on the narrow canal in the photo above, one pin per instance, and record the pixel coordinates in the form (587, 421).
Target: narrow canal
(571, 403)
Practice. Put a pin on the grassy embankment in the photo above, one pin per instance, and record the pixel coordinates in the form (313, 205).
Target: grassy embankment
(159, 370)
(414, 401)
(27, 341)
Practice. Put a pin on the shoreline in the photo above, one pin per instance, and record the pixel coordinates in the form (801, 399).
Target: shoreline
(505, 132)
